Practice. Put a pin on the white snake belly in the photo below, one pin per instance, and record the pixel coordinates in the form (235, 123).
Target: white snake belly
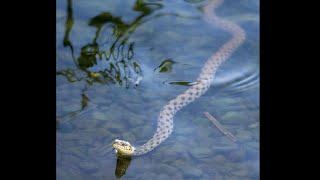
(165, 118)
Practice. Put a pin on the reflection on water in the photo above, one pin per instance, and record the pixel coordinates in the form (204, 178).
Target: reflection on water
(122, 166)
(111, 62)
(104, 48)
(165, 66)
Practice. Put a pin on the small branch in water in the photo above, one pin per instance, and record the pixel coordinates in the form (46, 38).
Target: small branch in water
(220, 127)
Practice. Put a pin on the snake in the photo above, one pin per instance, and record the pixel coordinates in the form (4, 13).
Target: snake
(196, 89)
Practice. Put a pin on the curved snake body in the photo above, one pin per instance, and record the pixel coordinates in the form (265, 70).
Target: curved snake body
(165, 118)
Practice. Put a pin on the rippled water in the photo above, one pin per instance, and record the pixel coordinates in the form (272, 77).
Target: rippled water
(119, 62)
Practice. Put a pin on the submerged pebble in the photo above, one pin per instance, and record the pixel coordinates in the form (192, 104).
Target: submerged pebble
(199, 153)
(237, 155)
(219, 159)
(233, 118)
(243, 135)
(254, 125)
(242, 172)
(191, 172)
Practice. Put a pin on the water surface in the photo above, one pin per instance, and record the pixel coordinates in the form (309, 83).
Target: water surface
(104, 49)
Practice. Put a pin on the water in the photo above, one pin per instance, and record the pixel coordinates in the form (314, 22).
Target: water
(119, 62)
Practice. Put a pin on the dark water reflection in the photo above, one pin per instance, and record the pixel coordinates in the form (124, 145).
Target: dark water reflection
(117, 52)
(119, 62)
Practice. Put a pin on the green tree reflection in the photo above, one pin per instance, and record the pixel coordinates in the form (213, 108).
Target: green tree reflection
(121, 66)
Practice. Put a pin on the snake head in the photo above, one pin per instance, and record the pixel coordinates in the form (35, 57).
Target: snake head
(123, 147)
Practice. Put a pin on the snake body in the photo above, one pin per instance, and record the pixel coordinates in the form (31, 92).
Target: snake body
(165, 118)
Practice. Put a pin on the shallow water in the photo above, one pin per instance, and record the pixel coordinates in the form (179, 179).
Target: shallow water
(105, 47)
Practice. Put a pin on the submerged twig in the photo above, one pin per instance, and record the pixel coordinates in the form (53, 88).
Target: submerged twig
(220, 127)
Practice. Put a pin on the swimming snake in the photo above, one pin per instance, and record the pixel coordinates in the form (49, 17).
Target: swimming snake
(207, 73)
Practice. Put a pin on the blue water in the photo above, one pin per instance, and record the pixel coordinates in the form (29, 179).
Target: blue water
(104, 47)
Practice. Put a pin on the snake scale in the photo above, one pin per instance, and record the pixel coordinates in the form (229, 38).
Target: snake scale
(165, 118)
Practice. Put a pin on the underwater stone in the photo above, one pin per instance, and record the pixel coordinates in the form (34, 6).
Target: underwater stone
(200, 153)
(217, 177)
(226, 102)
(234, 117)
(230, 177)
(191, 172)
(248, 17)
(68, 137)
(71, 107)
(254, 125)
(100, 133)
(238, 155)
(99, 115)
(88, 166)
(242, 172)
(176, 148)
(115, 127)
(60, 14)
(103, 102)
(230, 115)
(254, 145)
(85, 124)
(85, 140)
(184, 131)
(243, 135)
(135, 120)
(147, 176)
(142, 132)
(68, 173)
(219, 159)
(163, 177)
